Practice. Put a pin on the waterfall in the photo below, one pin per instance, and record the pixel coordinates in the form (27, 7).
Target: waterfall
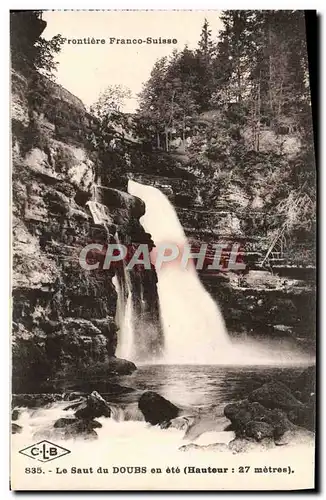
(193, 326)
(124, 313)
(122, 283)
(194, 329)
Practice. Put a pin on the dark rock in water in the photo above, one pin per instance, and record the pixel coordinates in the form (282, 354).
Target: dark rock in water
(280, 422)
(15, 414)
(305, 385)
(121, 366)
(92, 407)
(74, 427)
(95, 424)
(157, 409)
(270, 411)
(63, 422)
(275, 395)
(303, 416)
(259, 430)
(253, 420)
(239, 414)
(16, 429)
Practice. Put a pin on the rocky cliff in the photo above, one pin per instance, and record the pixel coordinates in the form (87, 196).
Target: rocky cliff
(63, 315)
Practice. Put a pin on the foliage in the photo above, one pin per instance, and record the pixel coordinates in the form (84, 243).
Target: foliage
(222, 98)
(29, 50)
(45, 52)
(109, 136)
(110, 101)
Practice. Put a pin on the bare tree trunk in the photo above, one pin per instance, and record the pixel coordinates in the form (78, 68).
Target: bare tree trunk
(158, 140)
(270, 69)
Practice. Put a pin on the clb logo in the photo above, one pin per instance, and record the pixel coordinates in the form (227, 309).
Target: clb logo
(44, 451)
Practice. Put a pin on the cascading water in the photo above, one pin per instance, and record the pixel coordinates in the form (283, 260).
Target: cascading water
(193, 326)
(194, 329)
(124, 313)
(122, 284)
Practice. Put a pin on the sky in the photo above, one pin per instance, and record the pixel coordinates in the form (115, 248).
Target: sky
(87, 69)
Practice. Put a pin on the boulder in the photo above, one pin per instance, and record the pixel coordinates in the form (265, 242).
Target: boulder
(156, 409)
(65, 422)
(275, 395)
(75, 427)
(303, 416)
(254, 421)
(259, 430)
(121, 366)
(93, 406)
(16, 429)
(15, 414)
(305, 385)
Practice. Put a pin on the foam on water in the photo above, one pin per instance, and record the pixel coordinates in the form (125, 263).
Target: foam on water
(134, 443)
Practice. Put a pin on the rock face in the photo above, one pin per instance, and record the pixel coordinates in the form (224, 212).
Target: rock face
(63, 315)
(271, 412)
(156, 409)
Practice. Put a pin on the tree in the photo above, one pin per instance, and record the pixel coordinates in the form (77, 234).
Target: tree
(111, 101)
(206, 47)
(170, 97)
(44, 60)
(29, 50)
(109, 133)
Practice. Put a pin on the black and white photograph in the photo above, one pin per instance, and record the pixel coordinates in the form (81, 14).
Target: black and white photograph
(163, 221)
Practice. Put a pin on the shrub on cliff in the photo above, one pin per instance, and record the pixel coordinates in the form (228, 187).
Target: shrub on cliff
(29, 50)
